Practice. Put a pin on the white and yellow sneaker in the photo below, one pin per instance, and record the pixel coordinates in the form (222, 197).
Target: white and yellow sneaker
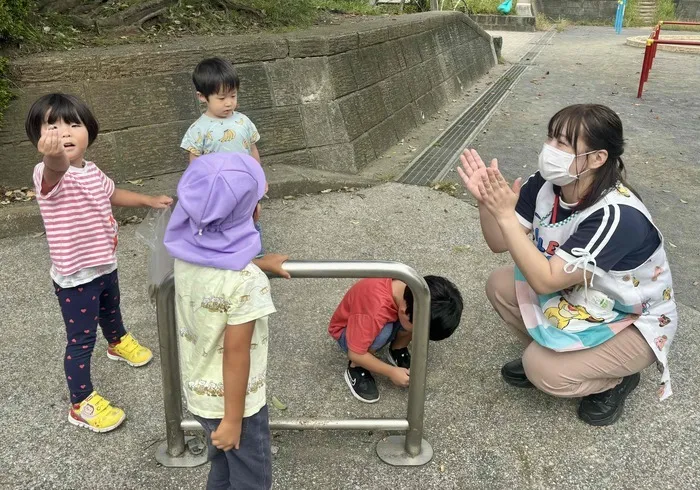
(130, 351)
(96, 413)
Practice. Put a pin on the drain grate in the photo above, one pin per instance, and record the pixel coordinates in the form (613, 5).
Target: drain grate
(441, 155)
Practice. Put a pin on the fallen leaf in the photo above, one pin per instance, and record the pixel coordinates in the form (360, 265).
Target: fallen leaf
(278, 404)
(138, 182)
(288, 198)
(684, 202)
(326, 191)
(672, 245)
(442, 468)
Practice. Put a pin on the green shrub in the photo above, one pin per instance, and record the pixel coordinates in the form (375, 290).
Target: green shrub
(14, 20)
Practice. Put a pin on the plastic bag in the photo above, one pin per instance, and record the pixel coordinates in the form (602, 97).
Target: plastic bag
(506, 7)
(151, 231)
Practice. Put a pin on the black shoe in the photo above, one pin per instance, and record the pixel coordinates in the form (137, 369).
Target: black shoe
(606, 407)
(399, 357)
(361, 384)
(514, 374)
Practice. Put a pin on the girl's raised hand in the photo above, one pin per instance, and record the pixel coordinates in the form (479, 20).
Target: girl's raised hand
(473, 170)
(159, 202)
(50, 144)
(499, 197)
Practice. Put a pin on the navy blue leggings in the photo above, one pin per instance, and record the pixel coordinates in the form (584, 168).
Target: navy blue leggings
(83, 307)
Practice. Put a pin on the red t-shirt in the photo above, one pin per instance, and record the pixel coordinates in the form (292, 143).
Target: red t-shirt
(363, 312)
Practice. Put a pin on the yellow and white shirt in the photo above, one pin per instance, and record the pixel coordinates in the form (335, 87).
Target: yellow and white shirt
(206, 301)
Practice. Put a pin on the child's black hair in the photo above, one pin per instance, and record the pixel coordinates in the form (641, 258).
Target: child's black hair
(213, 75)
(445, 306)
(52, 107)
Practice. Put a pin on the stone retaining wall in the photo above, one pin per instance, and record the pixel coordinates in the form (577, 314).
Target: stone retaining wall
(505, 22)
(328, 98)
(688, 9)
(577, 10)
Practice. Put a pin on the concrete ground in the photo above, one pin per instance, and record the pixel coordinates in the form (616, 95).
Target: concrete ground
(485, 434)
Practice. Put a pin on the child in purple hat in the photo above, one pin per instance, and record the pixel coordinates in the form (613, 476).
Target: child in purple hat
(222, 304)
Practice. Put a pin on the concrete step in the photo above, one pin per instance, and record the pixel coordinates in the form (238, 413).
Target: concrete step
(524, 9)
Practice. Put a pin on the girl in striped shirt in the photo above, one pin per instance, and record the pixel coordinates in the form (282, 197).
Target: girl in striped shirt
(76, 198)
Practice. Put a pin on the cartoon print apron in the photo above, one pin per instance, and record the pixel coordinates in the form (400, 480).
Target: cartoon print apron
(585, 316)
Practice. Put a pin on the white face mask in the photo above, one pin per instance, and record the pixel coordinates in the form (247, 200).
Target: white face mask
(554, 165)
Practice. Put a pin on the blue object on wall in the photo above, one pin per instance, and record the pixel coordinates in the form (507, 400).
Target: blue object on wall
(505, 7)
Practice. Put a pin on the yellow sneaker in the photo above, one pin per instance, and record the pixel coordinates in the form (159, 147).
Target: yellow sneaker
(130, 351)
(96, 413)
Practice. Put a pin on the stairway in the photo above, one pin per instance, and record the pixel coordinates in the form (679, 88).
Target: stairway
(647, 11)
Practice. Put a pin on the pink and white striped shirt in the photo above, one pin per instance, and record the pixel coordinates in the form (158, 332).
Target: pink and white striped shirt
(77, 215)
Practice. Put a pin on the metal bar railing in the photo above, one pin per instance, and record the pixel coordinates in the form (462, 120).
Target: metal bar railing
(408, 450)
(652, 45)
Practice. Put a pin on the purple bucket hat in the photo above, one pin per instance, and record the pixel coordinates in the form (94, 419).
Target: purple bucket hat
(212, 224)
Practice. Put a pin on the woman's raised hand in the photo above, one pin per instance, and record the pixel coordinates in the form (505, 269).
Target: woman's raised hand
(497, 195)
(473, 171)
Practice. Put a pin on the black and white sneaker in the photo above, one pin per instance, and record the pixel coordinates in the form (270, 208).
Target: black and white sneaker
(361, 384)
(399, 357)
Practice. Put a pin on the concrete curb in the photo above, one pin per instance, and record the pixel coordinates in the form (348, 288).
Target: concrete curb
(641, 42)
(24, 218)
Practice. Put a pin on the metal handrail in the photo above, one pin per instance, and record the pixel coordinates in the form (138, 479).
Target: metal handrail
(396, 450)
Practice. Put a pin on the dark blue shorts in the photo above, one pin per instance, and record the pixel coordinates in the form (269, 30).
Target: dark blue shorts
(249, 466)
(386, 336)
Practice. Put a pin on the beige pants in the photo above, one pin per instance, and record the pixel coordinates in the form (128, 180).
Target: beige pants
(575, 373)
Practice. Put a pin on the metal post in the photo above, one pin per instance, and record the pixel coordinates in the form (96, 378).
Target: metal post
(171, 452)
(408, 450)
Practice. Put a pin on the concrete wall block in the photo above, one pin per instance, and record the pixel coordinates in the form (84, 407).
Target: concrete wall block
(106, 155)
(363, 151)
(434, 71)
(453, 87)
(301, 158)
(56, 67)
(334, 158)
(142, 101)
(281, 129)
(312, 80)
(17, 171)
(148, 150)
(383, 136)
(440, 97)
(427, 105)
(373, 36)
(418, 81)
(365, 67)
(411, 51)
(371, 107)
(427, 45)
(281, 75)
(447, 63)
(391, 60)
(395, 92)
(404, 121)
(323, 124)
(351, 116)
(341, 74)
(255, 91)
